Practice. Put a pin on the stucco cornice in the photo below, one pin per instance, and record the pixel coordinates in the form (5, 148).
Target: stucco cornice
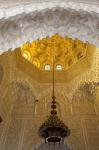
(9, 10)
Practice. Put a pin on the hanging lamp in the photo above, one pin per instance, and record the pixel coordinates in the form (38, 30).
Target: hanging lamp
(53, 130)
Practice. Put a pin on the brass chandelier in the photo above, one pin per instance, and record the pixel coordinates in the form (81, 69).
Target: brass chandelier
(53, 130)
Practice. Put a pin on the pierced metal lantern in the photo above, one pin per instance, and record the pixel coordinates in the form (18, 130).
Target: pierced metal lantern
(54, 130)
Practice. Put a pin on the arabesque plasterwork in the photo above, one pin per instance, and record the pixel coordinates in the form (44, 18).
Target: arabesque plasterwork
(62, 50)
(33, 21)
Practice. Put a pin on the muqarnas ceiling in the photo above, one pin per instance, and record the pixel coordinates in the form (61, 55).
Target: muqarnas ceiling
(64, 50)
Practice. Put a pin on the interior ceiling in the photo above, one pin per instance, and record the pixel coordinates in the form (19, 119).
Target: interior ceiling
(65, 51)
(13, 2)
(32, 20)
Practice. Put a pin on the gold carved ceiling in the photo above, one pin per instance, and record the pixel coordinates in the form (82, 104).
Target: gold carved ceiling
(65, 51)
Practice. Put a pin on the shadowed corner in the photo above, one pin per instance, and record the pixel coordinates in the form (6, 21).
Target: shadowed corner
(0, 119)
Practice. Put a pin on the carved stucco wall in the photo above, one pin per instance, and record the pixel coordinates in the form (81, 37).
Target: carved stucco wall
(5, 101)
(22, 114)
(81, 117)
